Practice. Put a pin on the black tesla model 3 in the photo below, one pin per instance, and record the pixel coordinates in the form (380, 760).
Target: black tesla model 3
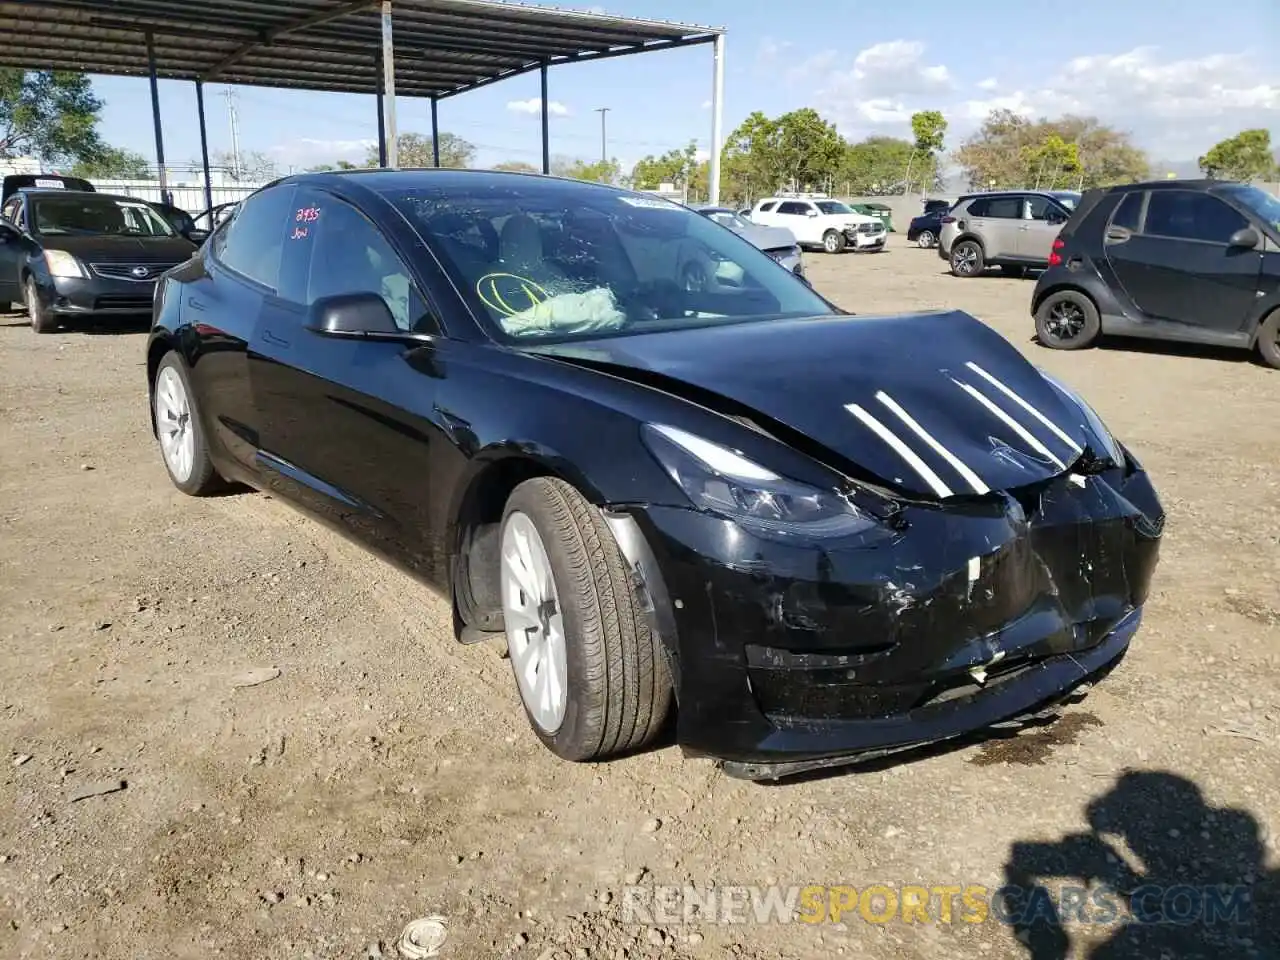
(815, 537)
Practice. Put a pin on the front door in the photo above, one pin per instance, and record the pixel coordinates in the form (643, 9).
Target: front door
(1178, 267)
(13, 251)
(350, 426)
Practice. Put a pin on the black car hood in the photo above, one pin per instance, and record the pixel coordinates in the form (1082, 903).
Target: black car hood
(126, 249)
(936, 404)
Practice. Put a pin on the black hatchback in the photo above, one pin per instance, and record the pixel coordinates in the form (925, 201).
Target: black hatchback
(1195, 261)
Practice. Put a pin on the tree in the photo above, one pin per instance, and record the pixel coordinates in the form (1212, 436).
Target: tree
(113, 163)
(808, 149)
(1055, 162)
(415, 150)
(599, 171)
(1246, 156)
(516, 166)
(929, 127)
(253, 166)
(51, 115)
(747, 162)
(1010, 151)
(340, 165)
(876, 165)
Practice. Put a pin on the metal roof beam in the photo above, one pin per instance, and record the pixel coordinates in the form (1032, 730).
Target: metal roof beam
(315, 20)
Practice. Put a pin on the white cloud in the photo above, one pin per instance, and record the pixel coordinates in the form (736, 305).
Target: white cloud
(534, 105)
(701, 156)
(706, 104)
(884, 85)
(990, 83)
(1172, 107)
(310, 152)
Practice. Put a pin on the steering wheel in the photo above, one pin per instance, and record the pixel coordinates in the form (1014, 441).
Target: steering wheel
(507, 294)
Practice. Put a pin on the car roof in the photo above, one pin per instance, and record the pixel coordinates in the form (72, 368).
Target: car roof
(1201, 184)
(390, 181)
(1013, 193)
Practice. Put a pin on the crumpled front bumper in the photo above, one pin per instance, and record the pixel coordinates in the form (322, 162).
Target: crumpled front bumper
(793, 656)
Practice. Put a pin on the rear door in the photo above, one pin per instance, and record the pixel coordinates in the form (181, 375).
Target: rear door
(1042, 222)
(349, 425)
(223, 306)
(1177, 266)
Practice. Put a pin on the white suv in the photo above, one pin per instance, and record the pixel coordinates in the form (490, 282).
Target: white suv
(828, 224)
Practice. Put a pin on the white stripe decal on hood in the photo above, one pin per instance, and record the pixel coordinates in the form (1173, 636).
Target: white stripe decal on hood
(901, 449)
(1012, 424)
(957, 464)
(1057, 431)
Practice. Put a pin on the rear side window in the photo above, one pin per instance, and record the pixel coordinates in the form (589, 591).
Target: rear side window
(1129, 213)
(798, 209)
(766, 207)
(251, 244)
(1183, 215)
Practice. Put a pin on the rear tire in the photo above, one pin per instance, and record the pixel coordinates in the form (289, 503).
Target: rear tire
(42, 321)
(833, 241)
(1269, 339)
(183, 445)
(1067, 320)
(926, 240)
(967, 259)
(616, 687)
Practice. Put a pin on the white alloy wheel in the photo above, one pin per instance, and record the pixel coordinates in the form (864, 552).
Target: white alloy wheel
(173, 424)
(925, 239)
(535, 623)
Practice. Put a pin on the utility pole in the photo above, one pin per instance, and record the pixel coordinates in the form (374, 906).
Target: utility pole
(235, 132)
(604, 153)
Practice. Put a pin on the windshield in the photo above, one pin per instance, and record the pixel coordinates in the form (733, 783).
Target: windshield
(97, 216)
(550, 261)
(726, 218)
(1264, 205)
(834, 206)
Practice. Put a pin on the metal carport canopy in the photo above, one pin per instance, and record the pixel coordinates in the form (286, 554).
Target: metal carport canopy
(417, 48)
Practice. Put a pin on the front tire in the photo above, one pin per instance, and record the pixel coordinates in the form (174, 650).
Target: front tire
(1269, 339)
(1067, 320)
(42, 321)
(926, 240)
(833, 241)
(590, 672)
(967, 259)
(183, 445)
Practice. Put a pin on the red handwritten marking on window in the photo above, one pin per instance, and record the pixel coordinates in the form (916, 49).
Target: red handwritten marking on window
(299, 233)
(308, 215)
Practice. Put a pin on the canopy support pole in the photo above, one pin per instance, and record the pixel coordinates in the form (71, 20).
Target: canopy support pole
(392, 137)
(204, 146)
(165, 195)
(546, 124)
(435, 130)
(717, 121)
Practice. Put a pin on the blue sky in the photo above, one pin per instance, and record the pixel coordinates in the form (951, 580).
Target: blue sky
(1176, 78)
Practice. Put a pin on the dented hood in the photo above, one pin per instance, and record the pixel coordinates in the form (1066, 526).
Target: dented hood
(937, 404)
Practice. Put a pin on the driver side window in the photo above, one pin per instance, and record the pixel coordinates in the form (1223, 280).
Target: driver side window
(1044, 209)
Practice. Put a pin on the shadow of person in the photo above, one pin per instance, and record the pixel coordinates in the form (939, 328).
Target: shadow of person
(1194, 883)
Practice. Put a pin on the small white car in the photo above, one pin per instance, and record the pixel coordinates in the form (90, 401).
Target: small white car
(826, 224)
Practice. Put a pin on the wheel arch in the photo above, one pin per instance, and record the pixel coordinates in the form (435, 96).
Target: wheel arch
(159, 345)
(969, 235)
(1264, 312)
(1040, 296)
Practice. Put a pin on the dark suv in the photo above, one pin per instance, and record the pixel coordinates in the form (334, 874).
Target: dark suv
(1190, 260)
(1010, 229)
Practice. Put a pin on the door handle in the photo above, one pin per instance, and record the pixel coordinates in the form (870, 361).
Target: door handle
(1117, 234)
(195, 304)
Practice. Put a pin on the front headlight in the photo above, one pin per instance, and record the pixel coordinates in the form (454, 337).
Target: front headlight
(62, 264)
(722, 481)
(1110, 447)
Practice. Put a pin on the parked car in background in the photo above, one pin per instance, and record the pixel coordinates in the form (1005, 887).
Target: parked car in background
(14, 182)
(934, 204)
(925, 229)
(778, 242)
(1010, 229)
(657, 495)
(182, 222)
(67, 254)
(824, 224)
(880, 211)
(1196, 261)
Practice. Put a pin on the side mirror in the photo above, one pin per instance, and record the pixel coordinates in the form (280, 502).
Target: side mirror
(353, 315)
(812, 212)
(197, 236)
(1246, 239)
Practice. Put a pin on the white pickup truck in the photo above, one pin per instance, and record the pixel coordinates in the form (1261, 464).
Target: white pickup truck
(826, 224)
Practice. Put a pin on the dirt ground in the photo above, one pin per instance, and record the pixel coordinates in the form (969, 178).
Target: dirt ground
(388, 773)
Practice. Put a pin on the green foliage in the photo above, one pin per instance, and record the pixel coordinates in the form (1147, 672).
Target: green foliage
(876, 165)
(1012, 151)
(1246, 156)
(51, 115)
(415, 150)
(675, 166)
(929, 127)
(599, 171)
(113, 163)
(517, 166)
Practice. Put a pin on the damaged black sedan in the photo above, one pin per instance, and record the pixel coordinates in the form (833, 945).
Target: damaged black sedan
(814, 537)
